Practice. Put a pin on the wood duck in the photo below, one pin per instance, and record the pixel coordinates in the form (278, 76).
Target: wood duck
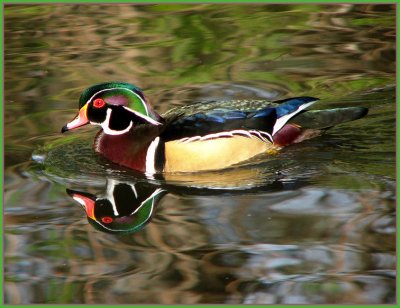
(200, 136)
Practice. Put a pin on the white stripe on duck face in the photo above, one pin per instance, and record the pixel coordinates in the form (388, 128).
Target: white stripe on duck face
(263, 136)
(125, 89)
(147, 119)
(283, 120)
(144, 117)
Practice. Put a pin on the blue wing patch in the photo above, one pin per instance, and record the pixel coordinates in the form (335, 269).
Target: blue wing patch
(223, 115)
(292, 104)
(264, 113)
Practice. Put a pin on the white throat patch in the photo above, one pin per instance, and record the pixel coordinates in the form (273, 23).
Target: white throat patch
(106, 128)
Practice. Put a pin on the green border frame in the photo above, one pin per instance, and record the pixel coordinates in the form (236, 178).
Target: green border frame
(27, 2)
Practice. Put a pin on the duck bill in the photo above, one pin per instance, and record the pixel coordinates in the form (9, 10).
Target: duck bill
(86, 200)
(80, 120)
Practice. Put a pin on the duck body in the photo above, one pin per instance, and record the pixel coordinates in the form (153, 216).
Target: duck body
(199, 136)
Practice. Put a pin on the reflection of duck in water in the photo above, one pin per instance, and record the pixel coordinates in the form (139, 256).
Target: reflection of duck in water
(200, 136)
(126, 206)
(123, 208)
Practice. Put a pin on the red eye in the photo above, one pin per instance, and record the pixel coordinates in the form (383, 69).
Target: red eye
(107, 219)
(98, 103)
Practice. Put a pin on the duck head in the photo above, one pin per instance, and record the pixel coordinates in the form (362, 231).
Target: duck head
(115, 106)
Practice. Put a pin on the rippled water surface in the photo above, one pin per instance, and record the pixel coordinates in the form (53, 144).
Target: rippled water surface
(312, 224)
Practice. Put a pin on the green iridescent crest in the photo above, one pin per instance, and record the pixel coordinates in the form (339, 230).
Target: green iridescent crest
(136, 102)
(121, 94)
(134, 97)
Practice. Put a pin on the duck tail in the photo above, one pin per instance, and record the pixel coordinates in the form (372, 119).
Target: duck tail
(324, 119)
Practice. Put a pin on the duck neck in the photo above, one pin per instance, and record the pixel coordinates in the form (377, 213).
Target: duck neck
(139, 149)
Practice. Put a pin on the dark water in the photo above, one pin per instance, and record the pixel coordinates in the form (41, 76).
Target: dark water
(313, 224)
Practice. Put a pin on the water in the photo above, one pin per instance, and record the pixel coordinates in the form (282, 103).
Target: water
(314, 224)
